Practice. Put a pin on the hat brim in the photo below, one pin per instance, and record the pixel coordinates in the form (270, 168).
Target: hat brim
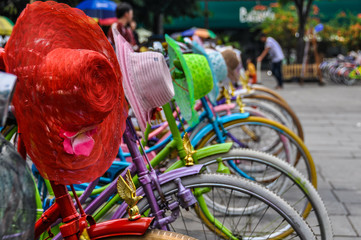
(40, 130)
(197, 48)
(233, 75)
(185, 103)
(123, 51)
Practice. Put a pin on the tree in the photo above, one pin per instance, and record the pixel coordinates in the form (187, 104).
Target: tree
(13, 8)
(303, 9)
(153, 12)
(282, 27)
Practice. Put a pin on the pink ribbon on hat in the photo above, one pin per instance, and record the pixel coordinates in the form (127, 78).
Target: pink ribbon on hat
(79, 143)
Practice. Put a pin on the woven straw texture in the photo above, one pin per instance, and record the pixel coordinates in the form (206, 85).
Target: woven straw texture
(183, 87)
(201, 74)
(69, 81)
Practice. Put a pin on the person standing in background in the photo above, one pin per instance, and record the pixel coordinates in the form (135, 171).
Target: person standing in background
(275, 51)
(133, 26)
(124, 13)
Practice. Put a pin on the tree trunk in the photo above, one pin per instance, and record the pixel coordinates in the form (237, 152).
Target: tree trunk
(158, 23)
(300, 41)
(303, 9)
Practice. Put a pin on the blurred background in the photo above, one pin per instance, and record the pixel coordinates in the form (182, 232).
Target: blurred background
(333, 26)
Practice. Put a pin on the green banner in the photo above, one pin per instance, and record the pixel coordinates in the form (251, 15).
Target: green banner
(243, 14)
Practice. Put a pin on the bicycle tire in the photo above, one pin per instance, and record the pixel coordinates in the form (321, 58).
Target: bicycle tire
(315, 203)
(346, 79)
(302, 150)
(154, 234)
(286, 109)
(269, 92)
(210, 181)
(269, 111)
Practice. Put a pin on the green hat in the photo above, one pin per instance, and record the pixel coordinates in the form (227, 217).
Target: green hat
(201, 74)
(195, 83)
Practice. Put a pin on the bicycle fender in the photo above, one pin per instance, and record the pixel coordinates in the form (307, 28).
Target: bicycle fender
(203, 132)
(224, 119)
(179, 172)
(119, 227)
(212, 150)
(234, 116)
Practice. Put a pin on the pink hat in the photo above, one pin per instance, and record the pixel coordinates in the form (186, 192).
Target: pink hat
(146, 79)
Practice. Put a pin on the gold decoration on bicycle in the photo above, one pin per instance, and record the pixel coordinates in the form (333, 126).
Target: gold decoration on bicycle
(188, 148)
(127, 192)
(84, 235)
(245, 85)
(240, 104)
(232, 89)
(226, 95)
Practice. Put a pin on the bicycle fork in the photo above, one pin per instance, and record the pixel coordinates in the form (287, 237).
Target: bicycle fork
(149, 180)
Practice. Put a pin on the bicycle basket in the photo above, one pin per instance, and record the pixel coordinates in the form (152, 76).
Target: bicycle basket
(17, 198)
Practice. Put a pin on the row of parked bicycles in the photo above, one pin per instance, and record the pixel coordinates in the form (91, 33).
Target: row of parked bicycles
(195, 157)
(343, 69)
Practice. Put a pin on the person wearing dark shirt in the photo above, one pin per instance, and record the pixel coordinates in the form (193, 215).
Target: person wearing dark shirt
(124, 13)
(133, 26)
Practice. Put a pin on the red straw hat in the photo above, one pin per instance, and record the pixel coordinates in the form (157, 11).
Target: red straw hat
(69, 99)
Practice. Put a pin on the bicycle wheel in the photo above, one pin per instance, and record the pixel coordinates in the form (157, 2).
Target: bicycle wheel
(234, 192)
(264, 135)
(346, 79)
(281, 178)
(270, 92)
(286, 110)
(154, 235)
(268, 110)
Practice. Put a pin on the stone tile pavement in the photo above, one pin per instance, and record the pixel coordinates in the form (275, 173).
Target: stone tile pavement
(331, 118)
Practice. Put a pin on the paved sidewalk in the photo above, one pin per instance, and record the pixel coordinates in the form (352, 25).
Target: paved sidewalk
(331, 118)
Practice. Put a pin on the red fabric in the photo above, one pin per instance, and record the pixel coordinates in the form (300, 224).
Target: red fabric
(2, 64)
(68, 80)
(253, 78)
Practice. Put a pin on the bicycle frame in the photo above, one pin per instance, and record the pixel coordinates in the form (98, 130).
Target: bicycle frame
(216, 123)
(172, 173)
(75, 223)
(149, 180)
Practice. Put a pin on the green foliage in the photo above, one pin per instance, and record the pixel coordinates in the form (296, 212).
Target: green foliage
(345, 30)
(146, 10)
(225, 39)
(12, 8)
(283, 26)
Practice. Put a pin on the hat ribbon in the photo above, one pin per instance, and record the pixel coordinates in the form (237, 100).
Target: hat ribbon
(79, 143)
